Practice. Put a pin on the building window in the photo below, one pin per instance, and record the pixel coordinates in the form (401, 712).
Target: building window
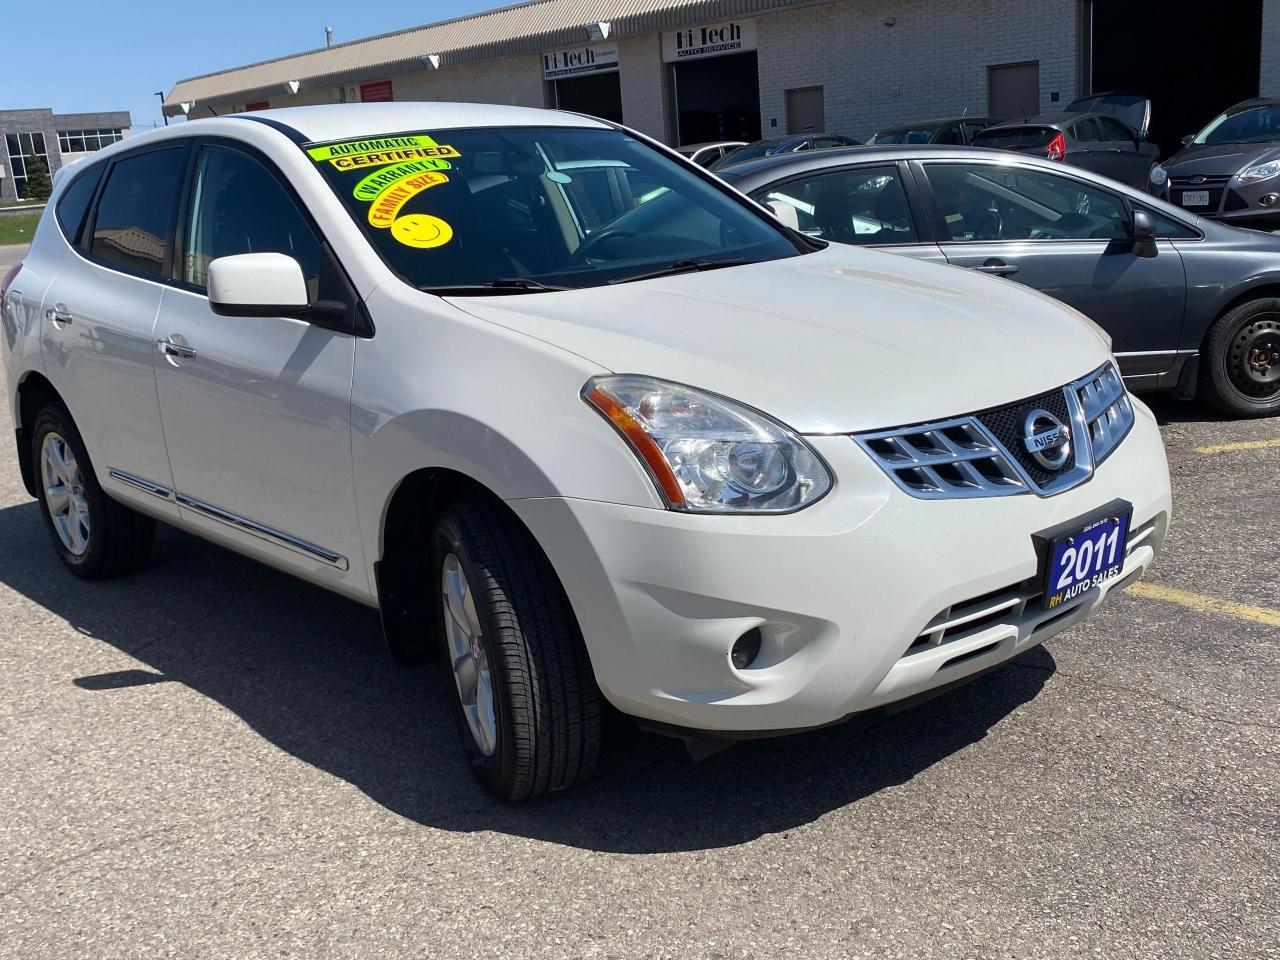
(21, 146)
(87, 141)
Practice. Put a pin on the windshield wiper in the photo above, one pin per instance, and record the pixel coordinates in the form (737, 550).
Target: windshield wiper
(490, 287)
(692, 265)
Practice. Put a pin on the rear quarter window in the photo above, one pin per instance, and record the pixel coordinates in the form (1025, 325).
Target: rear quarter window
(74, 202)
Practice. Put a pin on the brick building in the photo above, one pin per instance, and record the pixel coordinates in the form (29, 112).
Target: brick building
(55, 138)
(693, 70)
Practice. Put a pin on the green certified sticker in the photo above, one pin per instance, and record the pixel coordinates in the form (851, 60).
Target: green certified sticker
(372, 185)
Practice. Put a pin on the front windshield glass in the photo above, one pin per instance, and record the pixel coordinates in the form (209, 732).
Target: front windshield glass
(918, 135)
(522, 207)
(1255, 125)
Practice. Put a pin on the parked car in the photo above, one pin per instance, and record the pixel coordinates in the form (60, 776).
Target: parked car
(1192, 306)
(705, 154)
(666, 453)
(780, 145)
(958, 131)
(1230, 170)
(1093, 141)
(1130, 107)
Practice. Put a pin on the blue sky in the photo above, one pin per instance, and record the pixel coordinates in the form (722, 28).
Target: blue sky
(114, 54)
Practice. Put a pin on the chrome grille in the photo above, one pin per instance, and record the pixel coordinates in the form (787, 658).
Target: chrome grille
(952, 458)
(1108, 413)
(984, 454)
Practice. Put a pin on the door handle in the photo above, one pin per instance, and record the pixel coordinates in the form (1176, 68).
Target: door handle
(179, 351)
(58, 313)
(998, 267)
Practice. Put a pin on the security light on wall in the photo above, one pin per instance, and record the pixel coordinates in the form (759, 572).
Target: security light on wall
(292, 86)
(187, 106)
(431, 61)
(598, 30)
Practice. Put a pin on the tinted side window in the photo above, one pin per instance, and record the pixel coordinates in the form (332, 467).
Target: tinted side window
(986, 202)
(950, 135)
(239, 207)
(74, 203)
(134, 221)
(867, 206)
(1086, 131)
(1114, 129)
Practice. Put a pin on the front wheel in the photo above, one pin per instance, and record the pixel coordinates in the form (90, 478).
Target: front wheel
(1240, 365)
(525, 698)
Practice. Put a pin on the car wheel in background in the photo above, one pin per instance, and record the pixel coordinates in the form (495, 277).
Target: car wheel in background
(524, 695)
(1240, 365)
(95, 536)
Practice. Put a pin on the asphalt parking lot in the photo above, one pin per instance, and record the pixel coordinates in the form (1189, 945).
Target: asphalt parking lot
(211, 759)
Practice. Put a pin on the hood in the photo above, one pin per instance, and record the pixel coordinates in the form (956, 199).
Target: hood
(1220, 159)
(833, 342)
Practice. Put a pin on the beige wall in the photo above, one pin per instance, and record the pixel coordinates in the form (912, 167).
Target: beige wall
(642, 73)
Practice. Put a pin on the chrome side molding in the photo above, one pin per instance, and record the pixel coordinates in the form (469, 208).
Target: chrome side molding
(260, 530)
(141, 483)
(278, 537)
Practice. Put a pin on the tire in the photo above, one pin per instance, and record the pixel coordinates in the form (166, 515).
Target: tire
(530, 722)
(1240, 363)
(94, 536)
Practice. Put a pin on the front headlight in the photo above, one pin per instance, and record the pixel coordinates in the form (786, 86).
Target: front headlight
(1159, 176)
(1262, 171)
(708, 454)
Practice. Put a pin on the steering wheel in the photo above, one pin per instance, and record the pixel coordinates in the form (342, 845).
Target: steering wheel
(591, 243)
(990, 227)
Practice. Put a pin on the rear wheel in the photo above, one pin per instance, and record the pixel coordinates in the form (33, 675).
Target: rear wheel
(1240, 368)
(95, 536)
(524, 696)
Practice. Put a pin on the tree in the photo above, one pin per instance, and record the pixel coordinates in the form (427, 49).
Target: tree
(38, 186)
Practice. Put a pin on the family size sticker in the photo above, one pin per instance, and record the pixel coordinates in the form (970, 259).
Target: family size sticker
(372, 185)
(386, 207)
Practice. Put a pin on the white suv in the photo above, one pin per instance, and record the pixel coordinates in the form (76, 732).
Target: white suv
(567, 408)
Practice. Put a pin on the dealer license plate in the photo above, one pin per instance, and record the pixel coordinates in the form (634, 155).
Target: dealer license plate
(1088, 558)
(1195, 198)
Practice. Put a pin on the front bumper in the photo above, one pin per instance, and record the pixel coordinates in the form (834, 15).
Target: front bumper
(842, 592)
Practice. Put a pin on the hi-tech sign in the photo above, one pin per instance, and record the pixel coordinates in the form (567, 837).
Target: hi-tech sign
(579, 60)
(713, 40)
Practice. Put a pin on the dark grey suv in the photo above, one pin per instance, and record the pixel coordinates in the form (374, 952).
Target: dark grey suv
(1192, 306)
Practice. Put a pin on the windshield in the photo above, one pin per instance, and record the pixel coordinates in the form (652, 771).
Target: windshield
(752, 151)
(1255, 125)
(911, 135)
(517, 208)
(1130, 108)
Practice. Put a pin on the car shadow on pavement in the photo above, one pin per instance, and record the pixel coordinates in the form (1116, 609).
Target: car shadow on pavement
(306, 670)
(1171, 410)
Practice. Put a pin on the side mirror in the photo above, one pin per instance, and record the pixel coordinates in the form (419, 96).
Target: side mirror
(257, 285)
(1144, 227)
(1186, 141)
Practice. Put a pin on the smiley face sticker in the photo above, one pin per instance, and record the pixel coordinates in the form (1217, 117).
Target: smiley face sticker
(421, 230)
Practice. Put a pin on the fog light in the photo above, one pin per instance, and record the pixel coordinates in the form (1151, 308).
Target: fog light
(1269, 199)
(746, 648)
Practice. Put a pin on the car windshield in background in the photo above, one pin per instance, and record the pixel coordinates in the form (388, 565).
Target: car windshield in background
(1254, 125)
(1015, 138)
(752, 151)
(920, 135)
(515, 209)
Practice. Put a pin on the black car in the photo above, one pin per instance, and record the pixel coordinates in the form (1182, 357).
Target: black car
(776, 146)
(957, 131)
(1192, 306)
(1230, 170)
(1098, 142)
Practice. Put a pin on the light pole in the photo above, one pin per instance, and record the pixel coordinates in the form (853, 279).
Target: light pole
(160, 94)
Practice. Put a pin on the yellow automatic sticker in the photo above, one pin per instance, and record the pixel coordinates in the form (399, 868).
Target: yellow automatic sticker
(386, 208)
(372, 185)
(422, 230)
(351, 148)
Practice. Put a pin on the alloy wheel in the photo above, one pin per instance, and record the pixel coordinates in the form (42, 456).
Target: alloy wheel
(64, 493)
(468, 655)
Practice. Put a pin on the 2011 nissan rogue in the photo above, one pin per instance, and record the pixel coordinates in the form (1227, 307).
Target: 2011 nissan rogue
(567, 407)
